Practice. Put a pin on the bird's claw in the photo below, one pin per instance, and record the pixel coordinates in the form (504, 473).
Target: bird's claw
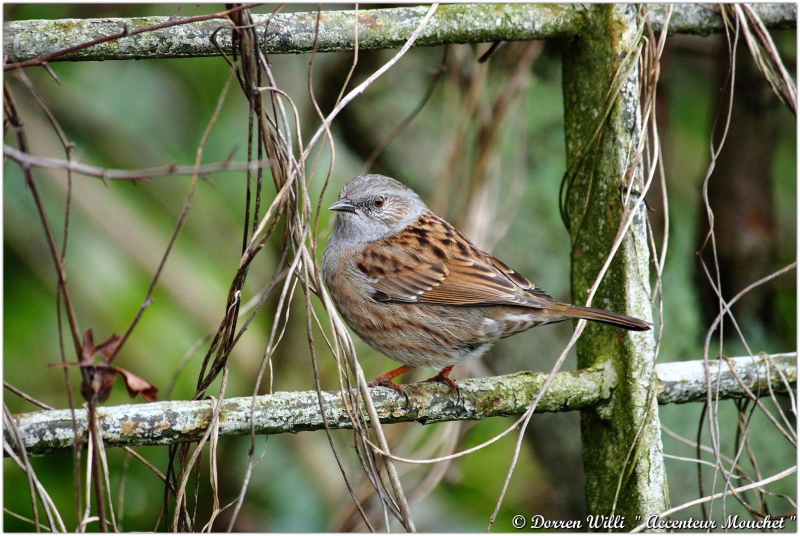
(447, 381)
(386, 382)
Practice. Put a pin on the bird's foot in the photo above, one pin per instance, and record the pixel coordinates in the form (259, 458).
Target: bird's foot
(444, 377)
(385, 380)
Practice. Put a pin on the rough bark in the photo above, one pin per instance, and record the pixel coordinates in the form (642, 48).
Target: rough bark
(160, 423)
(292, 33)
(622, 449)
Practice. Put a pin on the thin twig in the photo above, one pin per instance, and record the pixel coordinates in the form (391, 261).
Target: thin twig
(145, 174)
(761, 483)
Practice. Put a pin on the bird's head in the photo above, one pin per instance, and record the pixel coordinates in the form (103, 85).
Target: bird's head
(372, 207)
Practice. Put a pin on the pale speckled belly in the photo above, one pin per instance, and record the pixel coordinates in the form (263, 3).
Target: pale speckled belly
(422, 335)
(432, 336)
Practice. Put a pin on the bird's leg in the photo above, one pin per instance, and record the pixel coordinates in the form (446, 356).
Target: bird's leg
(385, 380)
(444, 377)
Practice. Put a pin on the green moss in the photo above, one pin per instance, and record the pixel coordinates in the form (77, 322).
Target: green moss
(622, 447)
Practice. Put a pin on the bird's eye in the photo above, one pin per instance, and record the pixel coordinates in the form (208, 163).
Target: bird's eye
(378, 201)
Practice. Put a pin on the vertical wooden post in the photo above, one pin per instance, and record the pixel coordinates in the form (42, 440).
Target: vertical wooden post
(622, 448)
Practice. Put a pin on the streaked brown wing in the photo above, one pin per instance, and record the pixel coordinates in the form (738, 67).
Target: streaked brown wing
(431, 262)
(520, 280)
(409, 284)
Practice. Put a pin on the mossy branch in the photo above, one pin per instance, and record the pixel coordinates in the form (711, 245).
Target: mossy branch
(292, 33)
(161, 423)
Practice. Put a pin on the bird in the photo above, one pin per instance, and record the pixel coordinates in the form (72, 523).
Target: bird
(417, 290)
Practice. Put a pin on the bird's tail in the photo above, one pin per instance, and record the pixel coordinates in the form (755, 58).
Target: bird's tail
(607, 317)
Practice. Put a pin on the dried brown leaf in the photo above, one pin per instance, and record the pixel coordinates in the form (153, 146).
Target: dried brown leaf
(137, 385)
(99, 377)
(102, 381)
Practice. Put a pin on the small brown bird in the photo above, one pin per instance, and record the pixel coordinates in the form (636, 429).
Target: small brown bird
(417, 290)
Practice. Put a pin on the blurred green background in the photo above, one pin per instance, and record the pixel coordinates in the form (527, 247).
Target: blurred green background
(126, 114)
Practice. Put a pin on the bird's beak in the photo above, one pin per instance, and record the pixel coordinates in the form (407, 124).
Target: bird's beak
(343, 205)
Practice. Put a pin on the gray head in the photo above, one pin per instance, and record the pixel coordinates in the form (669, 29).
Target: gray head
(372, 207)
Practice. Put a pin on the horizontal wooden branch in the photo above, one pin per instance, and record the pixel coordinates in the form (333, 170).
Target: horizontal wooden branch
(292, 33)
(161, 423)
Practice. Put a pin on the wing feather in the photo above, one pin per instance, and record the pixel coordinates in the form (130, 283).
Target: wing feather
(409, 267)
